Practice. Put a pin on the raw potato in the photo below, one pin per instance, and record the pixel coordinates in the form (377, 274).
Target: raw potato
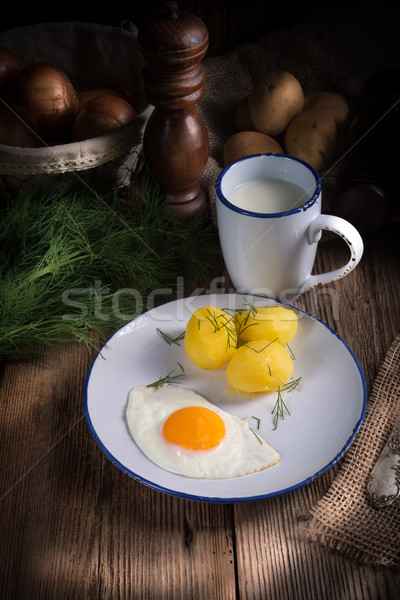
(242, 116)
(275, 99)
(312, 137)
(245, 143)
(332, 103)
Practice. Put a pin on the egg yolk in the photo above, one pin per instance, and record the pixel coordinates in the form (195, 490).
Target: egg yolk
(194, 428)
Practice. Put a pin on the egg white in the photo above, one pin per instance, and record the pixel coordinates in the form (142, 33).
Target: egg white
(240, 453)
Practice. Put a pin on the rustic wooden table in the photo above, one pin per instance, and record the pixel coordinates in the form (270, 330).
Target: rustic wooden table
(74, 526)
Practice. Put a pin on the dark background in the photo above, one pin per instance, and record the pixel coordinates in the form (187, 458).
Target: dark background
(229, 23)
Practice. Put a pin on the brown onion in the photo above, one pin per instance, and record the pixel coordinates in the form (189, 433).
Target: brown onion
(86, 95)
(10, 65)
(101, 115)
(17, 128)
(47, 93)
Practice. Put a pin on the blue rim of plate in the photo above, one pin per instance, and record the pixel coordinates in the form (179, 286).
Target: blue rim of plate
(215, 499)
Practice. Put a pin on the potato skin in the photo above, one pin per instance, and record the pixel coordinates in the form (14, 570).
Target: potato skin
(274, 100)
(244, 143)
(331, 102)
(242, 118)
(312, 136)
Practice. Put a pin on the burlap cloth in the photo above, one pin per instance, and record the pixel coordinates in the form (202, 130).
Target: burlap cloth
(337, 50)
(343, 519)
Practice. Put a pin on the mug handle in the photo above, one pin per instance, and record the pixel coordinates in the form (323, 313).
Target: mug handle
(348, 233)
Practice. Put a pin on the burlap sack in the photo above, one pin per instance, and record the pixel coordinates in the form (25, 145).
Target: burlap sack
(344, 519)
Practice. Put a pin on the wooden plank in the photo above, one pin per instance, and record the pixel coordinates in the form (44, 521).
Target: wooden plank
(50, 479)
(273, 559)
(157, 546)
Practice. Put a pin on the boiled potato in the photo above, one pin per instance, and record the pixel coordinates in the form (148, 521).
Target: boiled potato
(267, 323)
(242, 116)
(312, 136)
(259, 366)
(245, 143)
(331, 102)
(210, 337)
(275, 99)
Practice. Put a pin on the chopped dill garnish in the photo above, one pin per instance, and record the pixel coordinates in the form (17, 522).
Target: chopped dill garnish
(258, 421)
(291, 385)
(179, 365)
(169, 378)
(291, 354)
(170, 340)
(279, 409)
(224, 322)
(259, 439)
(251, 312)
(261, 349)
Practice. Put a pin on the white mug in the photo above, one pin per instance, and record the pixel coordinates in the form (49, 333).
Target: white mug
(269, 235)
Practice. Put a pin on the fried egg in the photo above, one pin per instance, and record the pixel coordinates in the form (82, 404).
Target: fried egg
(181, 432)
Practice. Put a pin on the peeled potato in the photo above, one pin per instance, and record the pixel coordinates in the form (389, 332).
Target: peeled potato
(267, 323)
(245, 143)
(242, 116)
(330, 102)
(275, 99)
(312, 136)
(259, 366)
(210, 337)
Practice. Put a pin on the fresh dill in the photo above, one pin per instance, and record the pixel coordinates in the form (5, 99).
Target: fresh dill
(251, 311)
(169, 378)
(70, 257)
(290, 351)
(291, 385)
(224, 322)
(258, 421)
(279, 409)
(171, 340)
(258, 437)
(261, 349)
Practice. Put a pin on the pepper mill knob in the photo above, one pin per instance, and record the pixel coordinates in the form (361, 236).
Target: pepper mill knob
(175, 142)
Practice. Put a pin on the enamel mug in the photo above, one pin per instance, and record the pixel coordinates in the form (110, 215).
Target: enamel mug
(269, 222)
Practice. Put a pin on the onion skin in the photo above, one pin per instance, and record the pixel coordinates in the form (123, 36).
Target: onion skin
(86, 95)
(101, 115)
(47, 93)
(17, 128)
(10, 65)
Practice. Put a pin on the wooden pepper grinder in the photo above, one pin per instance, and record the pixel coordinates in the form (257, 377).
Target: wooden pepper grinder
(175, 139)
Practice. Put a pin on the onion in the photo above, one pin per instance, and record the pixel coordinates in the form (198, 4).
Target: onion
(101, 115)
(86, 95)
(10, 65)
(17, 128)
(47, 93)
(96, 92)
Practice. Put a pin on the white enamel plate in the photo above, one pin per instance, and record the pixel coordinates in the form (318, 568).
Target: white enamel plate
(326, 408)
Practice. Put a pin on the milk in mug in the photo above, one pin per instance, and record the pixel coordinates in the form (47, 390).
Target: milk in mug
(268, 196)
